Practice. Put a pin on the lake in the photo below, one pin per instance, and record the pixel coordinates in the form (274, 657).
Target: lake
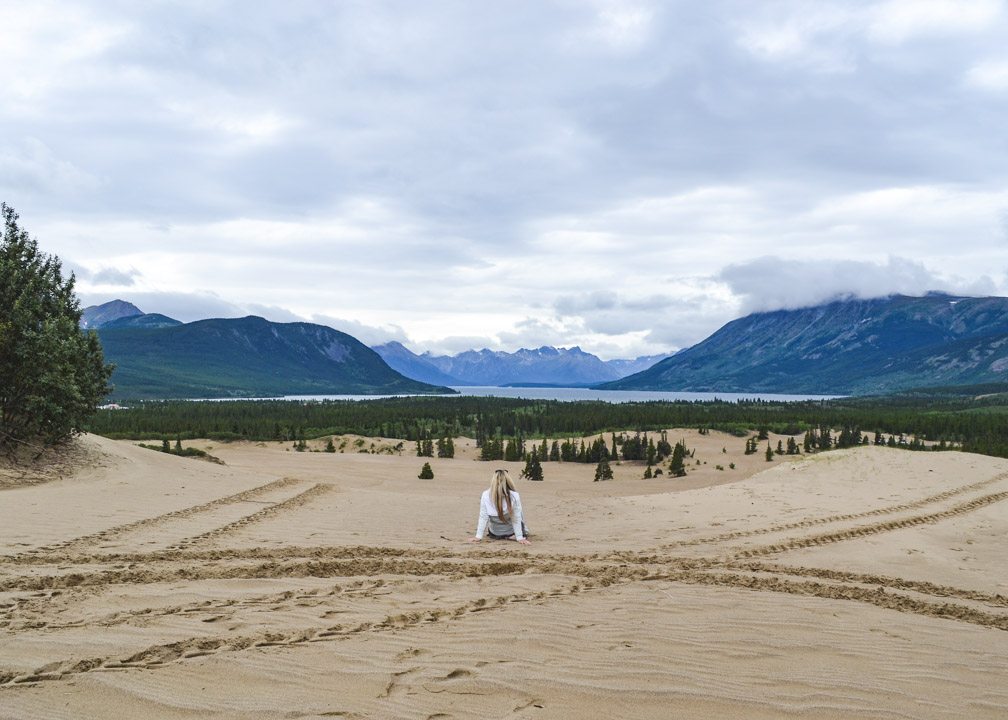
(571, 394)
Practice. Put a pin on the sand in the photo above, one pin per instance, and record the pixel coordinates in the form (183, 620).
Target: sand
(859, 583)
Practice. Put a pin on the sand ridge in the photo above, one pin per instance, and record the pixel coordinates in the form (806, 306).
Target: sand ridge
(222, 585)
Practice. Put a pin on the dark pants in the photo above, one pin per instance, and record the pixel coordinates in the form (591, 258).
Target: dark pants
(491, 534)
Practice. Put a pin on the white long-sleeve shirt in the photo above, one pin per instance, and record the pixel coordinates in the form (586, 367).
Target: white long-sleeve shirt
(488, 516)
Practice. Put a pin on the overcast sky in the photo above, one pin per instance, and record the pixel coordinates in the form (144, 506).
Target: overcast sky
(623, 176)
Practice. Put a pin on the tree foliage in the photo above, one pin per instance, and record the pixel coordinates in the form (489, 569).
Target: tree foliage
(533, 469)
(53, 375)
(603, 471)
(445, 447)
(677, 468)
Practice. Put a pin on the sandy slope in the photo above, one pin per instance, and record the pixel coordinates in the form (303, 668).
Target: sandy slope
(870, 582)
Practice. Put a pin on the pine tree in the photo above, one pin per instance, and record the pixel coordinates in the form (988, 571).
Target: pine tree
(52, 373)
(663, 447)
(769, 453)
(426, 473)
(329, 447)
(493, 449)
(647, 473)
(445, 447)
(533, 470)
(677, 468)
(603, 471)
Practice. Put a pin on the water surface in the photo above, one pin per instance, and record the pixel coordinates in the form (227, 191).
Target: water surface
(572, 394)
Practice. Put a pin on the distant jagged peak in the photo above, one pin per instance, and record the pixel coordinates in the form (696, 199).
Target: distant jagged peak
(96, 316)
(392, 344)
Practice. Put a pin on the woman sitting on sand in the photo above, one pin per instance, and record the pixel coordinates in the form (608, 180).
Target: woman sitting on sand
(500, 513)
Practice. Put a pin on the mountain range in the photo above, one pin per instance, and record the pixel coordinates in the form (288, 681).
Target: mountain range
(540, 366)
(844, 347)
(158, 357)
(849, 346)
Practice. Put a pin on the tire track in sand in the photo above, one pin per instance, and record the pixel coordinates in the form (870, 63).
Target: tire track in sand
(592, 572)
(310, 567)
(294, 502)
(918, 586)
(145, 523)
(159, 655)
(872, 529)
(801, 524)
(837, 591)
(687, 571)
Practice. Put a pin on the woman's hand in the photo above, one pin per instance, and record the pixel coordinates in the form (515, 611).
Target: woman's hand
(473, 539)
(524, 541)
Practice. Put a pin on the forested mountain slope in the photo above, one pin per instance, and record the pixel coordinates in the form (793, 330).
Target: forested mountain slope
(844, 347)
(246, 357)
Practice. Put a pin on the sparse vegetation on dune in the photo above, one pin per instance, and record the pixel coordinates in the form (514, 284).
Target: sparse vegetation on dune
(970, 419)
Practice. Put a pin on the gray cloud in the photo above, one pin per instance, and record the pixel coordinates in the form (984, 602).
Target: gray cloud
(32, 167)
(532, 333)
(609, 313)
(439, 171)
(273, 313)
(586, 302)
(114, 276)
(771, 283)
(185, 307)
(367, 334)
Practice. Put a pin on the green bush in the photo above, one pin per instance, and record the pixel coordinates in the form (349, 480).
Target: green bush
(53, 375)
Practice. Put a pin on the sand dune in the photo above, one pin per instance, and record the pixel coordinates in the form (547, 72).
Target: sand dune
(868, 582)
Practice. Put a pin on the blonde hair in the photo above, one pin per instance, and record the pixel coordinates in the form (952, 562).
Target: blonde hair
(501, 488)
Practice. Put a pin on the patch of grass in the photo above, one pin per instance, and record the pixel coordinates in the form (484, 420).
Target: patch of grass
(190, 452)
